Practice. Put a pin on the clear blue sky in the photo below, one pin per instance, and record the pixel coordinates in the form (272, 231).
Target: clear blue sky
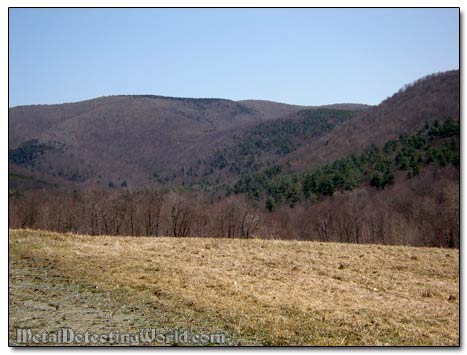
(300, 56)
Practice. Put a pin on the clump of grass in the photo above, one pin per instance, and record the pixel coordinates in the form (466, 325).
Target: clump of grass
(427, 293)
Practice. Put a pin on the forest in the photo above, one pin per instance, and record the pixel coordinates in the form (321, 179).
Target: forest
(276, 138)
(438, 144)
(353, 200)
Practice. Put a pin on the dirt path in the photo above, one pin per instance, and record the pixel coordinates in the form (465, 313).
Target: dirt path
(42, 299)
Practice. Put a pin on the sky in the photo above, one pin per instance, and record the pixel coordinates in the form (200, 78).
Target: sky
(297, 56)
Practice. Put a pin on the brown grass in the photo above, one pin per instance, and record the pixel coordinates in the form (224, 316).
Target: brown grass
(258, 291)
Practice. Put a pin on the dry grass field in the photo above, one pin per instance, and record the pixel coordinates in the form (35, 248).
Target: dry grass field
(258, 292)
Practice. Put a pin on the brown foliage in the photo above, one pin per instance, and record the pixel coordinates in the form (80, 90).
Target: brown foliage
(423, 211)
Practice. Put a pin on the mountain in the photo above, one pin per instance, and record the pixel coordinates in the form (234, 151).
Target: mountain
(158, 166)
(312, 137)
(146, 140)
(434, 97)
(131, 139)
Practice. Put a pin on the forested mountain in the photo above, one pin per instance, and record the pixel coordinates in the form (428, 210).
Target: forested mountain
(157, 165)
(377, 166)
(434, 97)
(137, 139)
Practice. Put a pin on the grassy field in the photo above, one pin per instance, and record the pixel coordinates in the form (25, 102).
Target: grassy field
(257, 292)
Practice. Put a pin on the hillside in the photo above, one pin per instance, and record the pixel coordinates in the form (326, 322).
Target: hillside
(311, 138)
(132, 135)
(131, 141)
(435, 97)
(255, 292)
(145, 140)
(130, 138)
(430, 99)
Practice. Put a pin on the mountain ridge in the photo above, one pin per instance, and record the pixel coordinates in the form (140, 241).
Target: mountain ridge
(149, 140)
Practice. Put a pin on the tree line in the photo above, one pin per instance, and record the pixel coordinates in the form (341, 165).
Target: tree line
(422, 211)
(134, 213)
